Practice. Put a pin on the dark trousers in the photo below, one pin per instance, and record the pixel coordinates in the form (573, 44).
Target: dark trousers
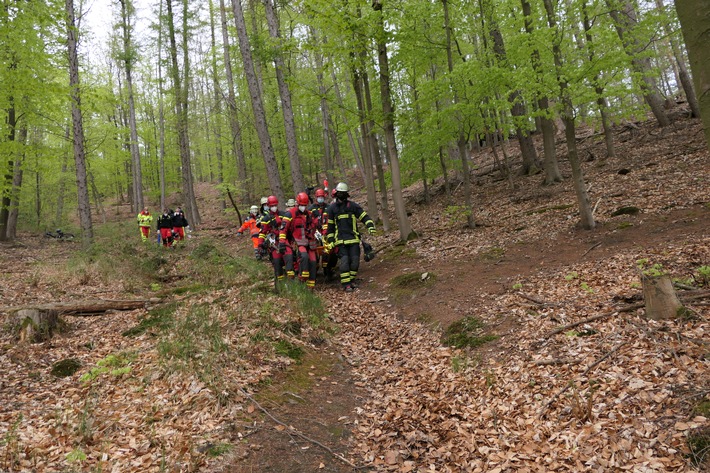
(349, 262)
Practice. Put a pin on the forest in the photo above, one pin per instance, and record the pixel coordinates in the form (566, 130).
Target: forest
(538, 171)
(271, 98)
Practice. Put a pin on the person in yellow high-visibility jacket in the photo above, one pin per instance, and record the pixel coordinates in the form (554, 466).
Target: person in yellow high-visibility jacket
(145, 219)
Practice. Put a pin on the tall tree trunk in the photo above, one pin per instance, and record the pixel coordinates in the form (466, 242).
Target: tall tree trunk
(129, 57)
(552, 170)
(9, 170)
(17, 185)
(262, 130)
(419, 131)
(82, 187)
(694, 19)
(237, 145)
(377, 156)
(625, 22)
(405, 229)
(161, 115)
(531, 163)
(598, 89)
(366, 149)
(62, 181)
(324, 110)
(682, 71)
(351, 139)
(299, 185)
(442, 158)
(580, 187)
(191, 210)
(217, 104)
(461, 141)
(180, 88)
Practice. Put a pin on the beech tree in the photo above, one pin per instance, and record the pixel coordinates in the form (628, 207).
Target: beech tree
(694, 16)
(84, 205)
(262, 129)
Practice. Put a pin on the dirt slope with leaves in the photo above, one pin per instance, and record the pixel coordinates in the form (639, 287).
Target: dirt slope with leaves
(224, 376)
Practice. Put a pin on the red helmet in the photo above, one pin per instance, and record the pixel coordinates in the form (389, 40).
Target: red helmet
(271, 201)
(320, 193)
(302, 198)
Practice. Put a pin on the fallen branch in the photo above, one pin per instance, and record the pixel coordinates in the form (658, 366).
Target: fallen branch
(533, 299)
(591, 248)
(628, 308)
(292, 430)
(589, 368)
(90, 307)
(557, 361)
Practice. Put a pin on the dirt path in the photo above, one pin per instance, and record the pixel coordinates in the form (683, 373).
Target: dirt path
(324, 409)
(461, 284)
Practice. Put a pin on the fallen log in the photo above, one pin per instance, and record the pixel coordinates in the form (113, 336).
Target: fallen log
(86, 308)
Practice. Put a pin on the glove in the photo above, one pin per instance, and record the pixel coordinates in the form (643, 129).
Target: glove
(239, 233)
(282, 247)
(372, 230)
(327, 248)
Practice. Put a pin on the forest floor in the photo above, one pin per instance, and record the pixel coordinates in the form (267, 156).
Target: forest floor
(376, 388)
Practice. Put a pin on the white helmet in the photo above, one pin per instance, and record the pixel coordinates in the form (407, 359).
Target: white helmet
(290, 203)
(342, 187)
(263, 200)
(254, 209)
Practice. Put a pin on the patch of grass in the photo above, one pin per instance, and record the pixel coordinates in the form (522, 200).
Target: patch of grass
(218, 449)
(628, 210)
(702, 408)
(396, 253)
(116, 365)
(298, 379)
(66, 367)
(703, 276)
(196, 335)
(699, 446)
(467, 333)
(286, 348)
(308, 304)
(407, 284)
(547, 209)
(192, 288)
(493, 254)
(624, 225)
(159, 319)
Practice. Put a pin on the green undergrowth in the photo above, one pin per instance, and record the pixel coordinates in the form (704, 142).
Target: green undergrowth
(288, 386)
(468, 332)
(407, 284)
(397, 253)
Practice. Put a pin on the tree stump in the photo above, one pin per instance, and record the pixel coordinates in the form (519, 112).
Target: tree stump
(660, 297)
(36, 325)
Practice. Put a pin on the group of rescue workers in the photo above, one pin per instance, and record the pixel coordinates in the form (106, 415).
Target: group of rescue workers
(171, 226)
(305, 234)
(297, 241)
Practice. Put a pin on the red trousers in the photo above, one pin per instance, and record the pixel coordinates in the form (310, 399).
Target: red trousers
(166, 235)
(180, 231)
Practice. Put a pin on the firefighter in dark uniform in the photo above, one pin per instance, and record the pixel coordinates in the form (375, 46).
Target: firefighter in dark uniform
(342, 233)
